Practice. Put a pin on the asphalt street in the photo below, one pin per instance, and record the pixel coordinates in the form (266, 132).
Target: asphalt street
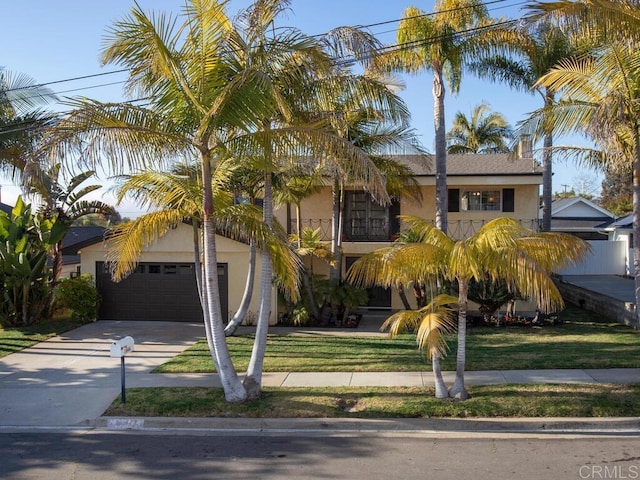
(165, 455)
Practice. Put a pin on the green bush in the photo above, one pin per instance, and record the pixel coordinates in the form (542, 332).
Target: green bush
(79, 294)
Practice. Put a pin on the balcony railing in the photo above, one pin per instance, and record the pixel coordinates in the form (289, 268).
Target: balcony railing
(457, 229)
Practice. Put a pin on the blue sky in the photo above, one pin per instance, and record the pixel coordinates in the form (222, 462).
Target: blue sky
(58, 40)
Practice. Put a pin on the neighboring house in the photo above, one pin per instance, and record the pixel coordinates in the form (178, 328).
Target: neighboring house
(481, 188)
(75, 239)
(580, 217)
(6, 208)
(621, 231)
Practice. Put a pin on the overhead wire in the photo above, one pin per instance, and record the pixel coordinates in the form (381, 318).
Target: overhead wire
(339, 62)
(367, 26)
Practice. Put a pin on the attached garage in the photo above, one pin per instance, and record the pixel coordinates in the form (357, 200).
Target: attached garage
(156, 291)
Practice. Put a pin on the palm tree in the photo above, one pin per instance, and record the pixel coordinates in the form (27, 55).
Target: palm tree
(435, 43)
(309, 244)
(537, 48)
(197, 96)
(501, 250)
(599, 98)
(376, 124)
(215, 88)
(484, 132)
(431, 323)
(22, 122)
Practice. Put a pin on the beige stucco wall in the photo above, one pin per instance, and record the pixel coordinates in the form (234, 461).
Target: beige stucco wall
(177, 246)
(316, 211)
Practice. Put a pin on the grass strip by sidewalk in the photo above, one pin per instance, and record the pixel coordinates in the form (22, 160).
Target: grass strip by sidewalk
(584, 340)
(586, 400)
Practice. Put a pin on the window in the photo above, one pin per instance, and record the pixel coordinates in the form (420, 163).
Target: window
(481, 200)
(365, 220)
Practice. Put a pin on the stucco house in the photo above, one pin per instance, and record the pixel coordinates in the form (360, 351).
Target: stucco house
(481, 188)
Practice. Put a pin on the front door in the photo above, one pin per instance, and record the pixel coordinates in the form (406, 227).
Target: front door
(379, 297)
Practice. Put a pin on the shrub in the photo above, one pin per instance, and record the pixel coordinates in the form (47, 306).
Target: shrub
(79, 294)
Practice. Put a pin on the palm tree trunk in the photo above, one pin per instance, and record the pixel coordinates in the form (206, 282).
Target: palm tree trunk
(441, 387)
(547, 171)
(241, 313)
(231, 384)
(253, 379)
(201, 295)
(636, 222)
(403, 297)
(334, 271)
(441, 151)
(458, 390)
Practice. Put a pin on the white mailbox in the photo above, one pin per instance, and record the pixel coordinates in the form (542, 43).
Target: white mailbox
(121, 347)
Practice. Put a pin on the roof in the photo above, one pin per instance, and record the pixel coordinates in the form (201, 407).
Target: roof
(577, 214)
(578, 207)
(6, 208)
(474, 165)
(78, 237)
(621, 223)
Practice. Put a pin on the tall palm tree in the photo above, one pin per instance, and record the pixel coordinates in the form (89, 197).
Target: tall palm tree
(501, 250)
(484, 132)
(377, 124)
(197, 94)
(538, 48)
(437, 43)
(599, 97)
(215, 87)
(288, 65)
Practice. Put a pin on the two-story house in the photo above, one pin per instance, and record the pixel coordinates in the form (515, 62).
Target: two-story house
(480, 188)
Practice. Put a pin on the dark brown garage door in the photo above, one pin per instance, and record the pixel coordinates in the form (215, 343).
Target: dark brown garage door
(156, 291)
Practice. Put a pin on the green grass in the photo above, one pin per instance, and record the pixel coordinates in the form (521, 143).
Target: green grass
(583, 340)
(408, 402)
(15, 339)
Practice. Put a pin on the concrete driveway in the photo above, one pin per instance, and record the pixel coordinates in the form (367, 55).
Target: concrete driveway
(71, 379)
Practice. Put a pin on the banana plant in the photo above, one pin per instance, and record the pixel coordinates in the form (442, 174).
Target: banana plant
(25, 240)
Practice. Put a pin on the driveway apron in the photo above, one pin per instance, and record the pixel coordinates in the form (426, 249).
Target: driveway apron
(71, 379)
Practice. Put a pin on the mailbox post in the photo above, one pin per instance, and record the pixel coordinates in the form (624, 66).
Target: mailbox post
(119, 349)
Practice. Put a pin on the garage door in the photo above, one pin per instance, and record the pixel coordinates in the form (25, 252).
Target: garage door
(156, 291)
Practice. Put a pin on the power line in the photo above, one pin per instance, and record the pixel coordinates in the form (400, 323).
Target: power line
(388, 49)
(368, 26)
(83, 77)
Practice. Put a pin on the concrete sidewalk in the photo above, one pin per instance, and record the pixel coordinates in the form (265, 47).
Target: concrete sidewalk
(71, 379)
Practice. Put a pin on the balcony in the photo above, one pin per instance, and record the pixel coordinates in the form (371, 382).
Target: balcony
(378, 230)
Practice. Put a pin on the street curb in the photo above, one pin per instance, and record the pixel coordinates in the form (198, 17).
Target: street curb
(432, 425)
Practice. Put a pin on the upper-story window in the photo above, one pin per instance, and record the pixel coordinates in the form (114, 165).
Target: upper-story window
(366, 220)
(481, 200)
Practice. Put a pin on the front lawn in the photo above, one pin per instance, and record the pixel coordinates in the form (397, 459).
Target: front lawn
(377, 402)
(583, 340)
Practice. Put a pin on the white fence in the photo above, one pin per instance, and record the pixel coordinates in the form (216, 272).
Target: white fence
(606, 258)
